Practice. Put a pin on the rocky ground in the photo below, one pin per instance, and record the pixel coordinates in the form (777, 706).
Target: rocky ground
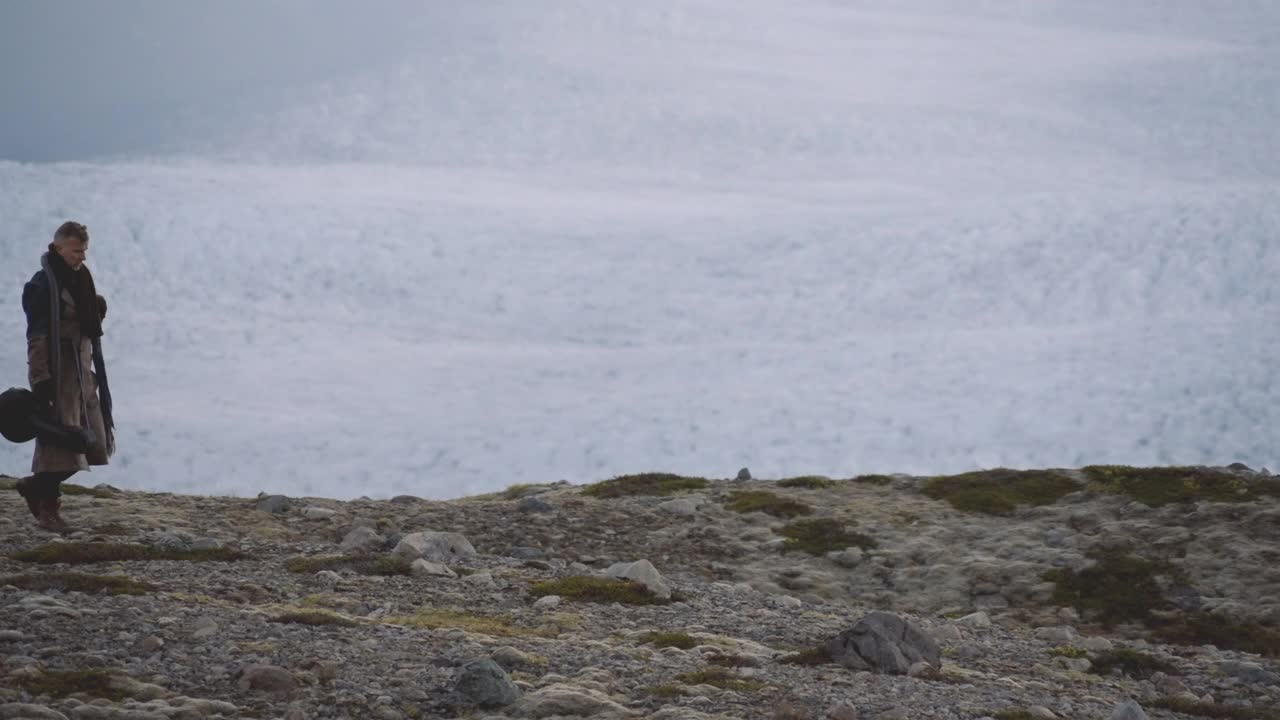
(1073, 594)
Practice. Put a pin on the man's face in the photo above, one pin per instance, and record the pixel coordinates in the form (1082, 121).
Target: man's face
(72, 251)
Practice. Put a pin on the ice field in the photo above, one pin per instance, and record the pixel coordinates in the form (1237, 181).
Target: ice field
(569, 240)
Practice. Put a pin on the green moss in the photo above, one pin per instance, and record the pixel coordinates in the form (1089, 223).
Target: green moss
(78, 553)
(823, 535)
(721, 678)
(599, 590)
(1067, 651)
(809, 482)
(361, 564)
(684, 641)
(59, 684)
(1117, 588)
(880, 480)
(651, 484)
(82, 491)
(745, 501)
(75, 582)
(1213, 710)
(1168, 485)
(811, 657)
(521, 490)
(667, 691)
(1221, 632)
(495, 625)
(315, 618)
(1000, 491)
(1135, 664)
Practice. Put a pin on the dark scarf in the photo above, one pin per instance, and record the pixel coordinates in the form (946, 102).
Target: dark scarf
(80, 284)
(85, 294)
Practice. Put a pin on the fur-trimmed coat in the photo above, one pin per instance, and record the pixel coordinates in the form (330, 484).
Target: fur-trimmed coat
(77, 387)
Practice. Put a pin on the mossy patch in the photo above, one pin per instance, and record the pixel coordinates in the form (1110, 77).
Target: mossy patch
(811, 657)
(823, 535)
(112, 529)
(1067, 651)
(1160, 486)
(722, 678)
(1213, 710)
(522, 490)
(584, 588)
(1117, 588)
(1133, 663)
(746, 501)
(808, 482)
(683, 641)
(76, 582)
(362, 564)
(667, 691)
(494, 625)
(79, 553)
(879, 480)
(315, 618)
(64, 683)
(1000, 491)
(650, 484)
(1221, 632)
(82, 491)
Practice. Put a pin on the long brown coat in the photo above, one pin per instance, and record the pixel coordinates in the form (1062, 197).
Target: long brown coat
(77, 389)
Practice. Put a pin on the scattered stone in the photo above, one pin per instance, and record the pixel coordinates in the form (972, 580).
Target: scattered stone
(437, 546)
(567, 700)
(268, 679)
(1062, 635)
(1096, 644)
(534, 505)
(204, 628)
(329, 577)
(1040, 711)
(318, 513)
(1249, 672)
(683, 506)
(510, 658)
(843, 711)
(483, 682)
(1129, 711)
(362, 540)
(526, 553)
(643, 572)
(424, 568)
(274, 504)
(21, 711)
(884, 643)
(547, 602)
(975, 620)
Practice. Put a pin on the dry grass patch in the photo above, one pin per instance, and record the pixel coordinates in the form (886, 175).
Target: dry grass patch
(1135, 664)
(76, 582)
(683, 641)
(385, 565)
(824, 535)
(650, 484)
(494, 625)
(746, 501)
(722, 678)
(1000, 491)
(584, 588)
(80, 553)
(808, 482)
(1160, 486)
(812, 657)
(315, 618)
(82, 491)
(1214, 710)
(104, 684)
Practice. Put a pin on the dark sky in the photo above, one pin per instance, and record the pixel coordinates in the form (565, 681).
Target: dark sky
(81, 79)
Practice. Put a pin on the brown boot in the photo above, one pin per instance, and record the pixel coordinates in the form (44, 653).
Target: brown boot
(49, 517)
(26, 491)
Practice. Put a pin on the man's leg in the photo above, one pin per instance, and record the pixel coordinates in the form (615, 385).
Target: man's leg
(49, 491)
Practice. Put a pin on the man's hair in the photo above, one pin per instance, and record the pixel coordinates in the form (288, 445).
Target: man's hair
(71, 230)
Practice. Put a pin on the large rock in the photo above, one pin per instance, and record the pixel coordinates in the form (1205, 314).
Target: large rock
(568, 701)
(268, 679)
(362, 540)
(483, 682)
(643, 572)
(884, 643)
(437, 546)
(274, 503)
(424, 568)
(1129, 711)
